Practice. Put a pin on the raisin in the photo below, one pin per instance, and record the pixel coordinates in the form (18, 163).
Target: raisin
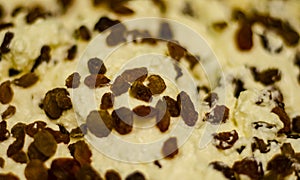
(123, 120)
(239, 87)
(83, 33)
(139, 91)
(4, 48)
(43, 57)
(26, 80)
(172, 106)
(211, 99)
(156, 84)
(72, 51)
(87, 172)
(59, 136)
(144, 111)
(112, 175)
(284, 118)
(81, 152)
(100, 123)
(165, 32)
(76, 133)
(192, 60)
(45, 143)
(176, 51)
(10, 111)
(296, 124)
(6, 25)
(170, 149)
(218, 115)
(119, 86)
(188, 10)
(266, 77)
(135, 74)
(6, 92)
(64, 168)
(36, 170)
(33, 128)
(4, 133)
(96, 66)
(280, 164)
(162, 116)
(36, 13)
(105, 23)
(188, 112)
(225, 169)
(260, 144)
(248, 167)
(244, 37)
(96, 81)
(135, 176)
(225, 140)
(73, 81)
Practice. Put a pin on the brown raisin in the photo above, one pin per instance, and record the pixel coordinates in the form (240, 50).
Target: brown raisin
(211, 99)
(296, 124)
(135, 74)
(99, 123)
(139, 91)
(96, 66)
(170, 149)
(4, 48)
(176, 51)
(123, 120)
(63, 168)
(224, 168)
(248, 167)
(280, 112)
(144, 111)
(280, 164)
(4, 133)
(107, 101)
(188, 112)
(112, 175)
(244, 36)
(72, 51)
(33, 128)
(162, 116)
(73, 81)
(36, 170)
(105, 23)
(83, 33)
(260, 145)
(225, 140)
(26, 80)
(45, 143)
(172, 106)
(135, 176)
(156, 84)
(10, 111)
(119, 86)
(96, 81)
(87, 172)
(81, 152)
(6, 92)
(218, 115)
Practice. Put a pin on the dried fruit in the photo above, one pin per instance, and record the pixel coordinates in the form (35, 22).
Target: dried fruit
(192, 60)
(119, 86)
(26, 80)
(43, 57)
(10, 111)
(36, 170)
(296, 124)
(4, 48)
(135, 176)
(105, 23)
(135, 74)
(73, 81)
(281, 165)
(96, 66)
(6, 92)
(96, 80)
(117, 35)
(8, 176)
(188, 112)
(123, 120)
(107, 101)
(20, 157)
(156, 84)
(225, 140)
(87, 172)
(162, 116)
(112, 175)
(144, 111)
(170, 148)
(239, 87)
(165, 32)
(63, 168)
(76, 133)
(72, 51)
(188, 10)
(266, 77)
(18, 132)
(34, 153)
(260, 145)
(172, 106)
(280, 112)
(33, 128)
(83, 33)
(81, 152)
(218, 115)
(4, 133)
(139, 91)
(249, 167)
(55, 101)
(59, 136)
(36, 13)
(224, 168)
(176, 51)
(244, 36)
(99, 123)
(211, 99)
(45, 143)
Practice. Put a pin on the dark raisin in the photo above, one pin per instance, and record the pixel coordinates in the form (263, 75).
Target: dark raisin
(165, 31)
(99, 123)
(76, 133)
(73, 81)
(8, 176)
(172, 106)
(96, 66)
(34, 153)
(36, 170)
(112, 175)
(2, 162)
(287, 150)
(296, 124)
(33, 128)
(107, 101)
(239, 87)
(6, 25)
(260, 145)
(280, 164)
(72, 51)
(26, 80)
(83, 33)
(4, 133)
(161, 4)
(43, 57)
(244, 36)
(96, 81)
(36, 13)
(139, 91)
(220, 25)
(266, 77)
(81, 152)
(13, 72)
(211, 99)
(224, 168)
(248, 167)
(218, 115)
(135, 74)
(65, 4)
(4, 48)
(162, 116)
(6, 92)
(156, 162)
(156, 84)
(64, 168)
(10, 111)
(45, 143)
(123, 120)
(135, 176)
(225, 140)
(176, 51)
(143, 110)
(20, 157)
(188, 10)
(105, 23)
(170, 148)
(187, 112)
(122, 9)
(119, 86)
(59, 136)
(88, 172)
(16, 11)
(284, 118)
(263, 124)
